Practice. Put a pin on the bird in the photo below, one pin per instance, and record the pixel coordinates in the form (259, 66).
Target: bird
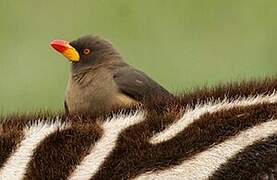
(100, 79)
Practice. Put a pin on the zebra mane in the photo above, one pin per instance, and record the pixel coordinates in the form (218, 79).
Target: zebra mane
(199, 95)
(210, 132)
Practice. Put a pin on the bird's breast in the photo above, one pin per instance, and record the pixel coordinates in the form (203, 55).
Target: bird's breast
(99, 93)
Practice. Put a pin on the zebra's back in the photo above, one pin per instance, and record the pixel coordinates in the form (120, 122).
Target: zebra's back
(232, 136)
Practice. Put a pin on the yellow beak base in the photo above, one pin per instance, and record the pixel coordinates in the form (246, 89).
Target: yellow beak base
(71, 54)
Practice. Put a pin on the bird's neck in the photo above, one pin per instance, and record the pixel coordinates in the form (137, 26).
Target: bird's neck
(80, 69)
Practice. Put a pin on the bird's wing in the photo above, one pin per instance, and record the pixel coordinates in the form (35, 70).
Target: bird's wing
(137, 84)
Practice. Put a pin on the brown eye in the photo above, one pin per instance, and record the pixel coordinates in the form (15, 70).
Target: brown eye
(86, 51)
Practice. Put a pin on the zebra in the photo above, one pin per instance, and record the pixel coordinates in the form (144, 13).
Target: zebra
(225, 132)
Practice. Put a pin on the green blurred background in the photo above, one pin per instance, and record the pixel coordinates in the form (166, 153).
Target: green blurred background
(181, 43)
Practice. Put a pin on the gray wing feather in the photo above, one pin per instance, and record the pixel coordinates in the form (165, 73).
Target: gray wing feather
(137, 84)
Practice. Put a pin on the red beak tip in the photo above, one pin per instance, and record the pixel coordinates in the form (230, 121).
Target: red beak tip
(59, 45)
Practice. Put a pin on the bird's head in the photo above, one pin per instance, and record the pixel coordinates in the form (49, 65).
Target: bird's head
(87, 51)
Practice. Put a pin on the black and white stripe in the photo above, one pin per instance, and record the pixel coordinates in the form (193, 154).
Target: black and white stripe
(217, 139)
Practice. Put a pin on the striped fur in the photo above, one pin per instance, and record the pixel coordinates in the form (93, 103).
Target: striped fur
(15, 166)
(228, 134)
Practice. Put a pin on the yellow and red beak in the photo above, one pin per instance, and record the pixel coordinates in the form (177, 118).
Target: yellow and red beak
(66, 49)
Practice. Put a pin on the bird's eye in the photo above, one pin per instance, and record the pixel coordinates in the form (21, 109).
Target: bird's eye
(86, 51)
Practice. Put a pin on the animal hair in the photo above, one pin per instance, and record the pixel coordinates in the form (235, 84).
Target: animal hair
(223, 132)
